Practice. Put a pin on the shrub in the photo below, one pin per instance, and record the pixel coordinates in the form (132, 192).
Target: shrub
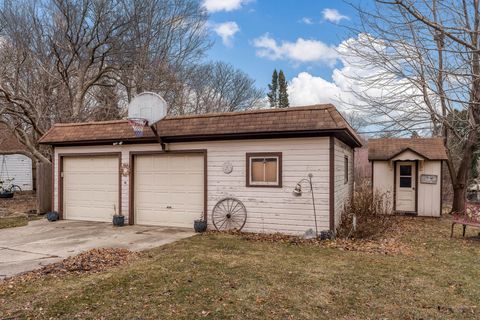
(372, 211)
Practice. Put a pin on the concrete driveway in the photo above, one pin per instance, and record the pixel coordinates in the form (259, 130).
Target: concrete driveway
(42, 242)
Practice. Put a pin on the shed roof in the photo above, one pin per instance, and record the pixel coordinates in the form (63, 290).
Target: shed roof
(263, 123)
(386, 149)
(9, 144)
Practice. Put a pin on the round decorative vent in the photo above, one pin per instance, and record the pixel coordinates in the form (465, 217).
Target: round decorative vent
(227, 167)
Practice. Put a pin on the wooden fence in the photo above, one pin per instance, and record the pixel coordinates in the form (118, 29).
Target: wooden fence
(44, 187)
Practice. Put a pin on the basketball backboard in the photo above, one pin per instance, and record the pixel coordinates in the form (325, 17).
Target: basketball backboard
(149, 106)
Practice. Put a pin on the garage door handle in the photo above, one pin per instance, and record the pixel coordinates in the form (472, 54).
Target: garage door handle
(169, 207)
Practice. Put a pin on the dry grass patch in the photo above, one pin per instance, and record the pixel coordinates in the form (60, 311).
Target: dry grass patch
(222, 276)
(21, 203)
(16, 221)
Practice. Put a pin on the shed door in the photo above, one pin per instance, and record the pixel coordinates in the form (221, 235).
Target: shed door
(90, 188)
(405, 188)
(169, 189)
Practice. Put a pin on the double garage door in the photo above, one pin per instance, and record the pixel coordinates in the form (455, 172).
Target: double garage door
(168, 189)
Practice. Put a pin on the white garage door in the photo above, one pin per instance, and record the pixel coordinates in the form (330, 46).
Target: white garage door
(168, 189)
(90, 188)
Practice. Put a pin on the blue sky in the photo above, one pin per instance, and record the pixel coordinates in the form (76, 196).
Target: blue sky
(296, 36)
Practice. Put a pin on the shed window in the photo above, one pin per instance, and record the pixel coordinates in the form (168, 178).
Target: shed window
(405, 176)
(345, 173)
(264, 169)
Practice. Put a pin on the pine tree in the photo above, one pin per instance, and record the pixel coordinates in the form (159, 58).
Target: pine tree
(273, 90)
(282, 91)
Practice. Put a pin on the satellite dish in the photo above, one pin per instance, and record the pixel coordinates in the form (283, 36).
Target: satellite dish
(148, 106)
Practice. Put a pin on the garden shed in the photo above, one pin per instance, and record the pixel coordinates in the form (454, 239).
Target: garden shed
(409, 173)
(258, 157)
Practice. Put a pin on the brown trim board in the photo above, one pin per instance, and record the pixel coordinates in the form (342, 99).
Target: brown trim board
(394, 186)
(131, 191)
(61, 156)
(416, 187)
(441, 187)
(249, 155)
(341, 134)
(53, 182)
(332, 184)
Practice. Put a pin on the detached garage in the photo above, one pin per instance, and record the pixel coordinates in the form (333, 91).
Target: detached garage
(245, 162)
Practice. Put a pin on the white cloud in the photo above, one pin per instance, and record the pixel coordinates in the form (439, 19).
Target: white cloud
(223, 5)
(226, 31)
(333, 15)
(302, 50)
(306, 88)
(306, 20)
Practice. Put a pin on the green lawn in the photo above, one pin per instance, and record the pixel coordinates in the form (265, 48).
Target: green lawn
(219, 276)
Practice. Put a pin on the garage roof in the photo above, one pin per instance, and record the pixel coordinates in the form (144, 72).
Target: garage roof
(264, 123)
(386, 149)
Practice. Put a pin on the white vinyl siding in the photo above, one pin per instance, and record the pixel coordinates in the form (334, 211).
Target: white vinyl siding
(19, 167)
(343, 191)
(383, 178)
(429, 195)
(269, 209)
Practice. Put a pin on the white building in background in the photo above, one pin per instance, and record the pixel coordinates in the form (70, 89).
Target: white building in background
(13, 163)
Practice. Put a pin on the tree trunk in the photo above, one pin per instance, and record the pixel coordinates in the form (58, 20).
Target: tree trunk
(462, 176)
(458, 204)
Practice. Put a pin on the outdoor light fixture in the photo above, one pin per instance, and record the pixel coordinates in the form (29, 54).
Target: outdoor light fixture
(297, 192)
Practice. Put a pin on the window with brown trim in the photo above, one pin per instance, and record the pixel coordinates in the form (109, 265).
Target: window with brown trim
(345, 173)
(264, 169)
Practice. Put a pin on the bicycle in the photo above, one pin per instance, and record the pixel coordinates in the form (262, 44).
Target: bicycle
(7, 186)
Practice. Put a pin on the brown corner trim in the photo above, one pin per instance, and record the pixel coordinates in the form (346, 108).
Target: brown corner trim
(53, 181)
(394, 186)
(248, 155)
(332, 185)
(416, 186)
(352, 190)
(441, 188)
(60, 158)
(131, 191)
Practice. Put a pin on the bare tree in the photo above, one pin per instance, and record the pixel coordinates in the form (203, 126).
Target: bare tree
(165, 39)
(218, 87)
(355, 120)
(420, 61)
(59, 59)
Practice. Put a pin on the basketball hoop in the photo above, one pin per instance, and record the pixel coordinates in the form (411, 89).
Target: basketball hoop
(137, 125)
(145, 110)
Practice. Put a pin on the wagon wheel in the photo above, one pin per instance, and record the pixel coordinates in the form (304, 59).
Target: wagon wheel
(229, 214)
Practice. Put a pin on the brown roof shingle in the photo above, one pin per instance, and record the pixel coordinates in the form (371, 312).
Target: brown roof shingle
(388, 148)
(310, 119)
(8, 142)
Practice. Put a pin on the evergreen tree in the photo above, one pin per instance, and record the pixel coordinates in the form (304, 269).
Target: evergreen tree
(282, 91)
(273, 90)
